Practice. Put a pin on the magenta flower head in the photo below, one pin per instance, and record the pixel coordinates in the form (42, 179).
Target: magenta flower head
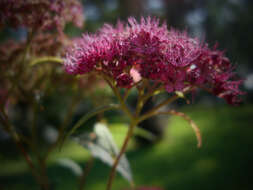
(133, 51)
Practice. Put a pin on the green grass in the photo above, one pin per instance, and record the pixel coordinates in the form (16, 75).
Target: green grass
(175, 163)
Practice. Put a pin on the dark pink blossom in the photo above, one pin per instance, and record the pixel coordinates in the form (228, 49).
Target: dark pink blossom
(124, 80)
(171, 58)
(182, 50)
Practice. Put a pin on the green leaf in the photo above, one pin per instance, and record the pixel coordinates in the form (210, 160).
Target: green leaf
(144, 133)
(87, 116)
(71, 165)
(102, 146)
(180, 94)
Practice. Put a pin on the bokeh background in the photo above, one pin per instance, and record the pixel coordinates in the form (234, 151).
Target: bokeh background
(225, 160)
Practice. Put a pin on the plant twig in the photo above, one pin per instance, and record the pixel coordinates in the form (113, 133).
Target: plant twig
(47, 59)
(66, 121)
(87, 117)
(122, 151)
(126, 94)
(117, 94)
(154, 110)
(188, 119)
(86, 172)
(4, 120)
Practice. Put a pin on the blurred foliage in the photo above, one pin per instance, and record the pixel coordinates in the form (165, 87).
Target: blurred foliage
(224, 161)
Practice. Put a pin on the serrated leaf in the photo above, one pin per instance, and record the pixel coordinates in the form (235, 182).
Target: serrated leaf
(102, 146)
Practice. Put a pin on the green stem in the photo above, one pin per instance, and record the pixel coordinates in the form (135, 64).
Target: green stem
(141, 100)
(28, 160)
(34, 125)
(189, 120)
(43, 171)
(121, 100)
(87, 117)
(66, 121)
(29, 39)
(25, 52)
(69, 114)
(156, 108)
(86, 172)
(4, 120)
(127, 92)
(47, 59)
(122, 151)
(153, 92)
(130, 132)
(34, 147)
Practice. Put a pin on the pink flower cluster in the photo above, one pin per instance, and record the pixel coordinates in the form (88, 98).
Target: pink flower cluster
(149, 50)
(41, 14)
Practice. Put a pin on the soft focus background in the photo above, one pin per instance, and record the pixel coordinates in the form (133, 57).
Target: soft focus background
(173, 162)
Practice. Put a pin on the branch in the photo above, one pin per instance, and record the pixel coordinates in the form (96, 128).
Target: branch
(154, 110)
(47, 59)
(86, 117)
(122, 151)
(117, 94)
(189, 120)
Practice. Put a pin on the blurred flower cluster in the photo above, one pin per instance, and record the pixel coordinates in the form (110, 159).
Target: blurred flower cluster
(44, 21)
(41, 14)
(147, 50)
(32, 78)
